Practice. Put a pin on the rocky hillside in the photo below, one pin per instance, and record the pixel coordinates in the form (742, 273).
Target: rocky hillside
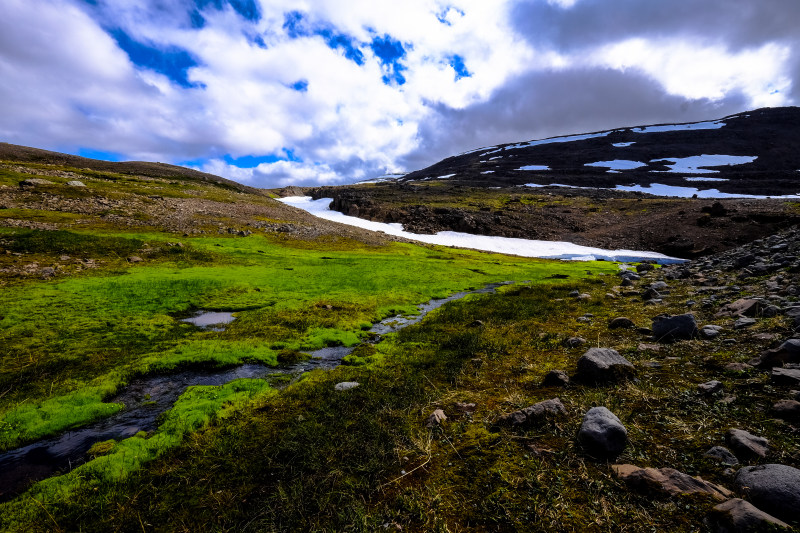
(757, 152)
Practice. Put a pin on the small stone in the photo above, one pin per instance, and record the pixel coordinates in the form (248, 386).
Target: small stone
(787, 410)
(644, 347)
(602, 435)
(666, 482)
(134, 259)
(346, 385)
(34, 182)
(604, 364)
(76, 183)
(555, 378)
(737, 515)
(435, 419)
(773, 488)
(621, 322)
(746, 445)
(48, 272)
(535, 414)
(464, 408)
(722, 455)
(710, 387)
(710, 332)
(737, 367)
(574, 342)
(644, 267)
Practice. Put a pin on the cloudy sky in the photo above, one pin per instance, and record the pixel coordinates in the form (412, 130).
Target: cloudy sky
(279, 92)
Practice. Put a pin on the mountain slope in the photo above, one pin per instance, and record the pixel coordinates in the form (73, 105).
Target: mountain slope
(756, 152)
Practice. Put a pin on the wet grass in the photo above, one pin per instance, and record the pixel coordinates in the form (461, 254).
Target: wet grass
(359, 460)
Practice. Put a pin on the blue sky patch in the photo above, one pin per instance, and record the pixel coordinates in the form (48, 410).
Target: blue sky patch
(252, 161)
(457, 62)
(173, 62)
(248, 9)
(98, 154)
(300, 86)
(297, 25)
(390, 51)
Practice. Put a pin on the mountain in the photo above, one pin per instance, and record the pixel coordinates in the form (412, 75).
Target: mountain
(756, 152)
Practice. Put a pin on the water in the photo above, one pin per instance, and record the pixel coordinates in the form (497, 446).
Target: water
(148, 397)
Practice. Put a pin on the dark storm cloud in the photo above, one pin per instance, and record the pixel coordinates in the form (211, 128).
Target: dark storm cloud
(589, 23)
(551, 103)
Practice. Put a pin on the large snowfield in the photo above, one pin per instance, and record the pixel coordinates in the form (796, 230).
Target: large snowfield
(505, 245)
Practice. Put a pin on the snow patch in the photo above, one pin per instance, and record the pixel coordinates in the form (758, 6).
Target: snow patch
(488, 172)
(694, 163)
(698, 178)
(618, 164)
(687, 192)
(710, 125)
(505, 245)
(534, 167)
(623, 145)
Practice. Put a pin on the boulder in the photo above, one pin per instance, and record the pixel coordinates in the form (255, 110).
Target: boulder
(785, 376)
(535, 414)
(556, 378)
(671, 328)
(746, 445)
(737, 515)
(787, 410)
(602, 435)
(722, 455)
(666, 482)
(604, 364)
(744, 307)
(788, 352)
(773, 488)
(34, 182)
(346, 385)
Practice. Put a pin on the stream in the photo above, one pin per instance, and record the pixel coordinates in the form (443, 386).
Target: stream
(148, 397)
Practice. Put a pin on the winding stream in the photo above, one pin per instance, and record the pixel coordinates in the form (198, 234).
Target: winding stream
(148, 397)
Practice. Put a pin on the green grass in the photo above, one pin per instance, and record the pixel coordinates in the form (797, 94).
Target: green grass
(100, 328)
(313, 459)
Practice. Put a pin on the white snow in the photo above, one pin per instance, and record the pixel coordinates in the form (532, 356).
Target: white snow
(698, 178)
(384, 178)
(617, 164)
(557, 185)
(693, 163)
(521, 247)
(496, 157)
(711, 125)
(534, 167)
(622, 145)
(687, 192)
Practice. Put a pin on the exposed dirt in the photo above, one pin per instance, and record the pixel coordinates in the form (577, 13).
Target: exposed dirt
(679, 227)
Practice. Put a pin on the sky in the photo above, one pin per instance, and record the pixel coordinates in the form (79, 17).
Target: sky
(273, 93)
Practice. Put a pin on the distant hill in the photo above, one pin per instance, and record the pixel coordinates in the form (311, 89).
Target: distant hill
(13, 152)
(756, 152)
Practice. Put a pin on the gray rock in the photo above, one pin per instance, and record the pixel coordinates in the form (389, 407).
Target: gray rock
(710, 332)
(76, 183)
(737, 515)
(773, 488)
(785, 376)
(710, 387)
(134, 259)
(667, 482)
(788, 352)
(574, 342)
(556, 378)
(670, 328)
(34, 182)
(435, 419)
(744, 322)
(621, 322)
(737, 367)
(787, 410)
(602, 435)
(746, 445)
(535, 414)
(604, 364)
(744, 307)
(651, 294)
(722, 455)
(346, 385)
(659, 286)
(644, 267)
